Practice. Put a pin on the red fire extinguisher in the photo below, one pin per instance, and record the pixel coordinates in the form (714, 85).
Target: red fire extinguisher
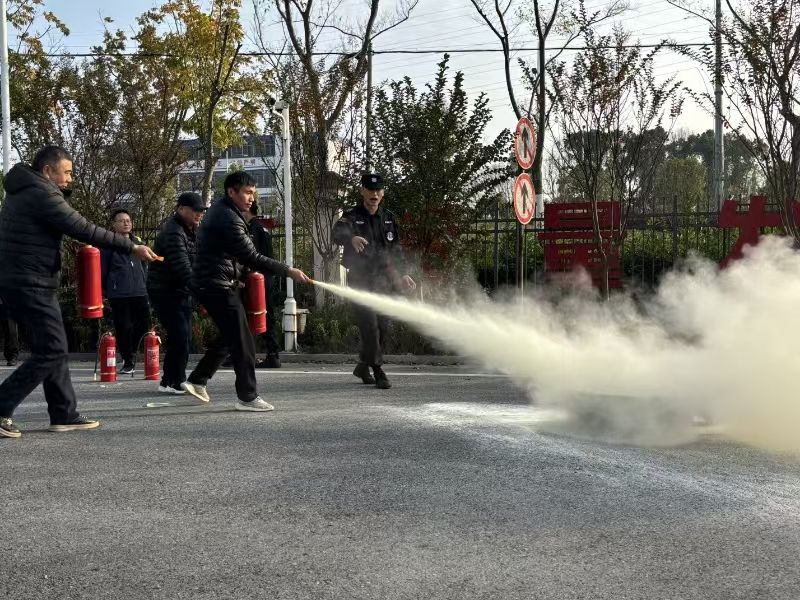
(256, 303)
(90, 289)
(107, 354)
(152, 368)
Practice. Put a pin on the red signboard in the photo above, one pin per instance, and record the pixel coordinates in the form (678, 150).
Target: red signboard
(749, 223)
(569, 242)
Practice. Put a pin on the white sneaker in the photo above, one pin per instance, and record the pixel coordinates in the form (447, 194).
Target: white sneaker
(198, 391)
(168, 389)
(258, 404)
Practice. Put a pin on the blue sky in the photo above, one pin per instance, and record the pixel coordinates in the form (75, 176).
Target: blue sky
(440, 24)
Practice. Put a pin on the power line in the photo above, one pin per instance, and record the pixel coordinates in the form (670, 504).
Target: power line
(393, 51)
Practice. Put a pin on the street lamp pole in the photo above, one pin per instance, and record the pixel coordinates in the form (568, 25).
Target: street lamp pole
(4, 88)
(290, 306)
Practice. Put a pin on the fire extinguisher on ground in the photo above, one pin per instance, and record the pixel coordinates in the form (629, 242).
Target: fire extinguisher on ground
(152, 367)
(107, 355)
(256, 303)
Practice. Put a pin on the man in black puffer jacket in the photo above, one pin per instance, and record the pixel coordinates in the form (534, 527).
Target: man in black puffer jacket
(34, 218)
(222, 246)
(168, 287)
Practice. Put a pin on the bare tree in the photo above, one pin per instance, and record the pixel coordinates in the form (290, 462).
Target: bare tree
(318, 67)
(761, 83)
(610, 113)
(563, 16)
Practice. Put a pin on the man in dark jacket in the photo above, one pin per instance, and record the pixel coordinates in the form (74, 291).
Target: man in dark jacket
(222, 245)
(123, 278)
(168, 285)
(372, 254)
(262, 240)
(34, 218)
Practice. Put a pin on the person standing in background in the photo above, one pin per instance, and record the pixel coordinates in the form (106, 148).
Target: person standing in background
(262, 240)
(124, 284)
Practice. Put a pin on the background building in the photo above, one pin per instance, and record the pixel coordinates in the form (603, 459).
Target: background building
(259, 155)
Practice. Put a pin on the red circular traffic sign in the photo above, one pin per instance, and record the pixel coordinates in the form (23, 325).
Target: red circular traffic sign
(525, 143)
(524, 198)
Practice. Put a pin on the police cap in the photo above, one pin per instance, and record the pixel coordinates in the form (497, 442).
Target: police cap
(372, 181)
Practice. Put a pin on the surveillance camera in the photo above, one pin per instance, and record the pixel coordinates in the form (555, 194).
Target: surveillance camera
(279, 105)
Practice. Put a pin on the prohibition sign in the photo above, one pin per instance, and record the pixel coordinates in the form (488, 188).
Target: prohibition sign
(524, 198)
(525, 143)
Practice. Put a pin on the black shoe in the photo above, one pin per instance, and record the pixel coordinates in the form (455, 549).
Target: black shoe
(227, 363)
(75, 424)
(362, 371)
(127, 369)
(270, 362)
(12, 362)
(381, 380)
(8, 429)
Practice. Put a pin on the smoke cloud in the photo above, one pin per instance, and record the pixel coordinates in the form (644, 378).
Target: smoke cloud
(718, 345)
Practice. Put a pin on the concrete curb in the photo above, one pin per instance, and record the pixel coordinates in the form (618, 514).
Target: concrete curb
(337, 359)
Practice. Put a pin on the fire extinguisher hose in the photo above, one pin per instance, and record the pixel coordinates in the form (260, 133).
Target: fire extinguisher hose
(136, 350)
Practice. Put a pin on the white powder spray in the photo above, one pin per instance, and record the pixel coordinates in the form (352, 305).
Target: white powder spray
(717, 344)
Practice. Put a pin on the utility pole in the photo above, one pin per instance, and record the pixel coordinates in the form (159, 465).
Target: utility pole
(369, 110)
(719, 136)
(4, 88)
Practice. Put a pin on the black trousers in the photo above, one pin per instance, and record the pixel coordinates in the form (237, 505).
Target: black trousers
(227, 311)
(174, 312)
(38, 310)
(271, 334)
(373, 327)
(131, 321)
(11, 338)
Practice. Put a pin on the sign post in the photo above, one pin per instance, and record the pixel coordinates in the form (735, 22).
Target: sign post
(524, 196)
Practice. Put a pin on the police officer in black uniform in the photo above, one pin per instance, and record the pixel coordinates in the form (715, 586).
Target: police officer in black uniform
(372, 254)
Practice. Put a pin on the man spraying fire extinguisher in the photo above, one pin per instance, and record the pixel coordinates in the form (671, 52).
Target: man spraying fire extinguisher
(223, 247)
(34, 218)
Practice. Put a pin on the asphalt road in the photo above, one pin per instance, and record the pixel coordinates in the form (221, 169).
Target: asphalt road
(440, 488)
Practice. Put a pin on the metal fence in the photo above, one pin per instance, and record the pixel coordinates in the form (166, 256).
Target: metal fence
(656, 238)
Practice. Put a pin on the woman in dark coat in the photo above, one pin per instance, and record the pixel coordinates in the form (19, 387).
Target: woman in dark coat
(124, 278)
